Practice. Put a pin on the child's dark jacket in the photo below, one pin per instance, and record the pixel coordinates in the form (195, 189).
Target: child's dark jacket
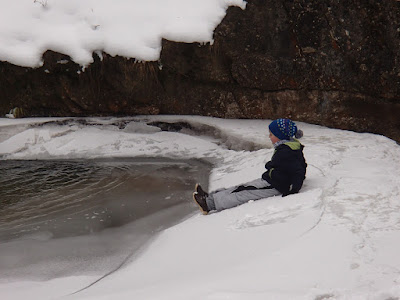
(287, 169)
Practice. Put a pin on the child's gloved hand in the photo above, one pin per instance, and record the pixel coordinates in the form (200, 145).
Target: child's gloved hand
(290, 192)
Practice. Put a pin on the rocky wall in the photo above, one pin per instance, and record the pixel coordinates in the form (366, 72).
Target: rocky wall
(334, 63)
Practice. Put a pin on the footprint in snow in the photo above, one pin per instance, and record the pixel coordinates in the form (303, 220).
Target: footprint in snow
(266, 218)
(311, 200)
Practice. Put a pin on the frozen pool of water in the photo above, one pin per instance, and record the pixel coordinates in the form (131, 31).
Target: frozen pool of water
(61, 218)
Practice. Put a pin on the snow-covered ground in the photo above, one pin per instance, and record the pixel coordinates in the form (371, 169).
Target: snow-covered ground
(337, 239)
(129, 28)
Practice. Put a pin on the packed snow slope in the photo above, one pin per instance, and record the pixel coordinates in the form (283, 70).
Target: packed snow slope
(129, 28)
(339, 238)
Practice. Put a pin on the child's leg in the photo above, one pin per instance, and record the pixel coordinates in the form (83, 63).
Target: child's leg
(234, 196)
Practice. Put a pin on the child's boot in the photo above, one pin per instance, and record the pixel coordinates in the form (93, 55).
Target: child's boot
(200, 191)
(199, 196)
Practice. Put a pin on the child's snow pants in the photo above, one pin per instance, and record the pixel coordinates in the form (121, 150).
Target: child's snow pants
(226, 198)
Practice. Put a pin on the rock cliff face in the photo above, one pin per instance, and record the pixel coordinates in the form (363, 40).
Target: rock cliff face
(331, 62)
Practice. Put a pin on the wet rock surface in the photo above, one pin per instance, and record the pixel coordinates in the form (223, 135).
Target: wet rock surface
(325, 62)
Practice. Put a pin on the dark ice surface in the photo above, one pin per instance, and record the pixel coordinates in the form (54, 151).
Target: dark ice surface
(87, 217)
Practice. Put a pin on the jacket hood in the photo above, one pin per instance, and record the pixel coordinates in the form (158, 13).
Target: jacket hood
(294, 144)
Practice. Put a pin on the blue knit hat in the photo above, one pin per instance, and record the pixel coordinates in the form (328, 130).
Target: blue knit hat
(284, 129)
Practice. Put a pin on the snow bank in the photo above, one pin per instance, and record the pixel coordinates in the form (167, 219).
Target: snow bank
(337, 239)
(130, 28)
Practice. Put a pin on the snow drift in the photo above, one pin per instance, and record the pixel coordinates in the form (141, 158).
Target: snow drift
(337, 239)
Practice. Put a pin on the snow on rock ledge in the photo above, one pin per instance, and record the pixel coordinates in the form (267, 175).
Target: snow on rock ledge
(130, 28)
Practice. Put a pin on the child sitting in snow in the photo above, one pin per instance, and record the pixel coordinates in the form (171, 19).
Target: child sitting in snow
(285, 173)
